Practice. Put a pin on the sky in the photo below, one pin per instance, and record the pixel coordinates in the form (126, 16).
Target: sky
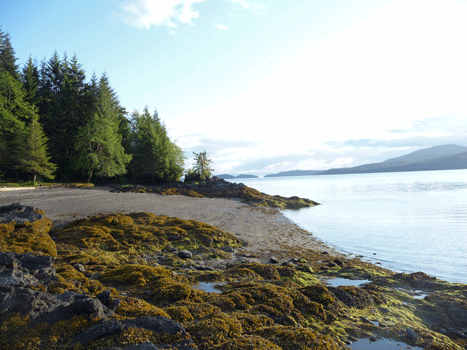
(265, 86)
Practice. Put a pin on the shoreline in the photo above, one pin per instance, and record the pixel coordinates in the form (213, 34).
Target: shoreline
(284, 288)
(267, 230)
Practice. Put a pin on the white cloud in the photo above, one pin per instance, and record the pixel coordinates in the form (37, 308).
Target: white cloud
(249, 5)
(221, 27)
(170, 13)
(147, 13)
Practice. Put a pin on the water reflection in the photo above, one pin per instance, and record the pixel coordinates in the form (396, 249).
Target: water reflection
(382, 343)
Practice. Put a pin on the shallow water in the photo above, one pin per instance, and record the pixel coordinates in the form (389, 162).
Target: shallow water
(408, 222)
(386, 344)
(339, 282)
(208, 287)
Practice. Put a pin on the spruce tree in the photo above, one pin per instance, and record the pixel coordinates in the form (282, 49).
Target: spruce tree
(202, 165)
(155, 157)
(7, 55)
(14, 113)
(98, 143)
(100, 150)
(30, 80)
(33, 157)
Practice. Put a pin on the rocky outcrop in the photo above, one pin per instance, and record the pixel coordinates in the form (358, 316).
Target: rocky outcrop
(23, 270)
(19, 214)
(157, 324)
(19, 273)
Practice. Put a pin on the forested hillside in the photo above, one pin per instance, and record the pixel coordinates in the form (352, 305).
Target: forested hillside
(55, 123)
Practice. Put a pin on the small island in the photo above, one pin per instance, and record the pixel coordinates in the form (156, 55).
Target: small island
(241, 176)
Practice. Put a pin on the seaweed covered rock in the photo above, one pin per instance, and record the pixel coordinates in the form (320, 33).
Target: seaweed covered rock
(40, 307)
(25, 229)
(299, 338)
(163, 331)
(359, 298)
(219, 188)
(143, 232)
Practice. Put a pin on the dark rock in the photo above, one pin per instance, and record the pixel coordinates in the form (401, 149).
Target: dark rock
(325, 253)
(411, 334)
(98, 331)
(460, 334)
(104, 297)
(158, 324)
(373, 338)
(331, 264)
(185, 254)
(43, 307)
(455, 332)
(228, 249)
(421, 280)
(114, 304)
(89, 307)
(19, 213)
(274, 260)
(338, 262)
(23, 270)
(26, 302)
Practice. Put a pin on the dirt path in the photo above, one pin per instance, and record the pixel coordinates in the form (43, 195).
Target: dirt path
(266, 229)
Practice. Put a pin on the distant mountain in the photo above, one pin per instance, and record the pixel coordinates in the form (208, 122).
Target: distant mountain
(444, 157)
(246, 176)
(225, 176)
(294, 173)
(456, 161)
(429, 153)
(241, 176)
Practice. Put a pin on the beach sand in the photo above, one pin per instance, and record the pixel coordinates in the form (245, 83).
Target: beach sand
(267, 230)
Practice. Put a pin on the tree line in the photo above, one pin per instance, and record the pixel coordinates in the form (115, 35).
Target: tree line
(56, 124)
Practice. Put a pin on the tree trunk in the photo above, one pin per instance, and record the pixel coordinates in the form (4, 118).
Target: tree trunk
(35, 175)
(89, 177)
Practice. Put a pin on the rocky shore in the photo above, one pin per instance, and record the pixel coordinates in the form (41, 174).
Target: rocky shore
(145, 280)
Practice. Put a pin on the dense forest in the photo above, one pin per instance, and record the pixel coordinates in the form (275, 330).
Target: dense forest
(55, 124)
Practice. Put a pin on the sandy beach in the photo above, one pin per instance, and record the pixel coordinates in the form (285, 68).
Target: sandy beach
(265, 229)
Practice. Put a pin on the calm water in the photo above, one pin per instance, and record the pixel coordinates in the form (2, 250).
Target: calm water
(411, 221)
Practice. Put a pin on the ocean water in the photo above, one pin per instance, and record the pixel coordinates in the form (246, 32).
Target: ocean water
(408, 221)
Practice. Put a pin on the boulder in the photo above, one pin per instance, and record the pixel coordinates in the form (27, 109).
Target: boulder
(18, 213)
(23, 270)
(184, 254)
(157, 324)
(99, 331)
(411, 334)
(44, 307)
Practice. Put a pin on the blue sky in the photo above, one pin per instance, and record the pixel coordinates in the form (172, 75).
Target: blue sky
(267, 85)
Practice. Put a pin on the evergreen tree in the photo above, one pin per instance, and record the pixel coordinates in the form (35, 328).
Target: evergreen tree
(98, 143)
(7, 55)
(100, 150)
(33, 158)
(30, 80)
(14, 113)
(66, 103)
(155, 157)
(202, 165)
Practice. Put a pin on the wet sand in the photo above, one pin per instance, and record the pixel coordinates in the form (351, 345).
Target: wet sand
(265, 229)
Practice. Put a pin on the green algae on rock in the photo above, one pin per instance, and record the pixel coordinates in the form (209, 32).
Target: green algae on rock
(260, 305)
(219, 188)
